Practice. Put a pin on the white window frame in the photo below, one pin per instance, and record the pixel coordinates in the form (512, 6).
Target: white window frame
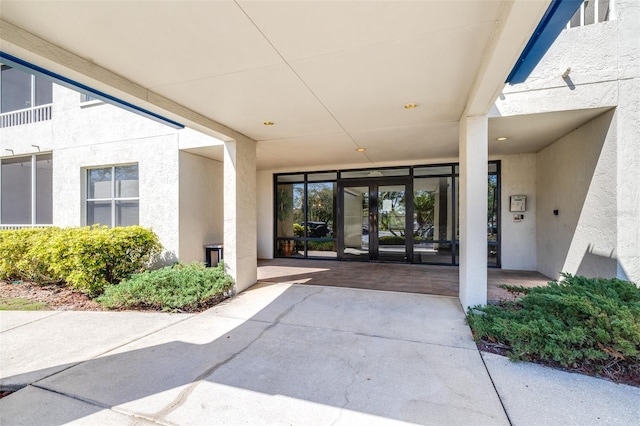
(113, 197)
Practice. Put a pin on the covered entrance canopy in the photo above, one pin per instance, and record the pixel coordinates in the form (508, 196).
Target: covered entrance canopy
(296, 84)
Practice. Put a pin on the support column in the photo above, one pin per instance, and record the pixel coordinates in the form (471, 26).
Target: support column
(240, 216)
(473, 210)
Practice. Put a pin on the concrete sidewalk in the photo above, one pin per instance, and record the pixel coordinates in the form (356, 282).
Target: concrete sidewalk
(285, 354)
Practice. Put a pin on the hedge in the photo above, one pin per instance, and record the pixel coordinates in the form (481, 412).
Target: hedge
(87, 258)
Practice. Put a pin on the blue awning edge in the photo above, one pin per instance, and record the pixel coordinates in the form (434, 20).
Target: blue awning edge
(552, 23)
(23, 65)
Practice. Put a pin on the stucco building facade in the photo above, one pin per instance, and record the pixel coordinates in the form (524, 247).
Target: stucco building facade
(571, 149)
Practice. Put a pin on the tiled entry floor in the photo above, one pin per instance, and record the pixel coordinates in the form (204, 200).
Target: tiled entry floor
(426, 279)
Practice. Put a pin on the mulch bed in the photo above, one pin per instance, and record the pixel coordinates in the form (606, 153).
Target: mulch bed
(56, 297)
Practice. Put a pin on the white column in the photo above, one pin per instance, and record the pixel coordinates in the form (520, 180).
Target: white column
(240, 217)
(473, 210)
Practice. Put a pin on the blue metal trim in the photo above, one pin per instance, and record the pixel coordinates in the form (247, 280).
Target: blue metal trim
(550, 26)
(75, 85)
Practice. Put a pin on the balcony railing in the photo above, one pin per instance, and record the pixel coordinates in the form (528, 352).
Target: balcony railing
(592, 12)
(14, 227)
(25, 116)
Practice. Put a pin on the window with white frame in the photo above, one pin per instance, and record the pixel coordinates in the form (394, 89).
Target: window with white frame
(113, 196)
(20, 90)
(26, 193)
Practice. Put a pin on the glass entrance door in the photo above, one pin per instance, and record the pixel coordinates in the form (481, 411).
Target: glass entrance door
(374, 220)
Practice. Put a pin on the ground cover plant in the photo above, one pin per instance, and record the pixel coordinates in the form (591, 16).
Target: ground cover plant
(177, 288)
(590, 325)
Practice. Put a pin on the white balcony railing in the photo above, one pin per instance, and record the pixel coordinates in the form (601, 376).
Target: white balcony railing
(25, 116)
(592, 12)
(14, 227)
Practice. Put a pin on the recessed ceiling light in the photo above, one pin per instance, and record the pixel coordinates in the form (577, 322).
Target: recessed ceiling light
(268, 123)
(361, 149)
(410, 106)
(502, 138)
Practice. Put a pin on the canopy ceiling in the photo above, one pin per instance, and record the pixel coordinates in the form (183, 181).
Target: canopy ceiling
(331, 75)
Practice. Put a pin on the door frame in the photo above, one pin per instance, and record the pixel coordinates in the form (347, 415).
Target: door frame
(373, 184)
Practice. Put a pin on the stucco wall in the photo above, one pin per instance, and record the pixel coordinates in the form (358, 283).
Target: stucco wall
(605, 71)
(577, 176)
(201, 208)
(518, 238)
(158, 175)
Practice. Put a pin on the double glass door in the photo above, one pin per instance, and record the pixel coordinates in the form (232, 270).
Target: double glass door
(375, 220)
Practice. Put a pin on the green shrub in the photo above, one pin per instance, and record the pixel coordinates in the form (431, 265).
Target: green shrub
(321, 245)
(173, 288)
(389, 240)
(87, 258)
(18, 256)
(572, 321)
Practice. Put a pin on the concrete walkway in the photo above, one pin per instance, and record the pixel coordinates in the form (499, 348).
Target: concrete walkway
(285, 355)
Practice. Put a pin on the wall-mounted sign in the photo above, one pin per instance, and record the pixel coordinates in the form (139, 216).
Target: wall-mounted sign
(518, 203)
(386, 206)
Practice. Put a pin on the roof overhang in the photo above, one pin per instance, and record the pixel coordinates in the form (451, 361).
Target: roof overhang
(332, 76)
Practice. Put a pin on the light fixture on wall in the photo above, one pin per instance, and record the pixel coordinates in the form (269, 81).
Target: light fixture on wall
(502, 138)
(10, 150)
(36, 147)
(361, 149)
(268, 123)
(410, 106)
(566, 72)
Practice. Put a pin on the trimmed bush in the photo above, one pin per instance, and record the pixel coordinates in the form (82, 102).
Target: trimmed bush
(17, 257)
(574, 321)
(174, 288)
(87, 259)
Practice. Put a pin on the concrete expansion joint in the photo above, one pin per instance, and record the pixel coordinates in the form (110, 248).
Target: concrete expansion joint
(76, 397)
(101, 406)
(504, 408)
(31, 322)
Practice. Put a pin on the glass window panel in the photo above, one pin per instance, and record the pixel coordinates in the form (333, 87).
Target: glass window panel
(318, 177)
(44, 89)
(126, 181)
(289, 209)
(44, 189)
(369, 173)
(320, 209)
(99, 212)
(291, 178)
(322, 249)
(429, 171)
(492, 254)
(87, 98)
(493, 168)
(16, 191)
(356, 222)
(99, 183)
(127, 213)
(16, 89)
(432, 219)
